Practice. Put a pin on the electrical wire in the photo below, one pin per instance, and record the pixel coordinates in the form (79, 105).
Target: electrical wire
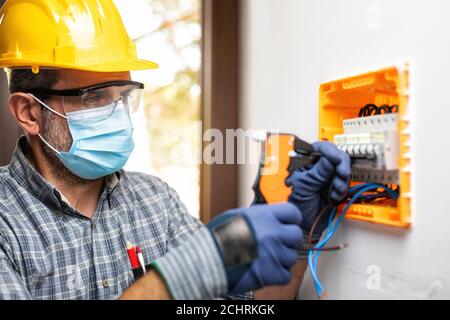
(330, 204)
(372, 110)
(311, 246)
(356, 192)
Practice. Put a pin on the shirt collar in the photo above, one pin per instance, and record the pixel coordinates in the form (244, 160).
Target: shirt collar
(28, 177)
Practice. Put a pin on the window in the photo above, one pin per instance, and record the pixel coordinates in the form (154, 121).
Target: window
(167, 127)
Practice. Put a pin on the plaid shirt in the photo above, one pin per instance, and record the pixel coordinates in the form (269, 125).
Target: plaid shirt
(48, 250)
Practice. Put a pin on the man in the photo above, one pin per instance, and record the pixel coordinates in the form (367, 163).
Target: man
(67, 209)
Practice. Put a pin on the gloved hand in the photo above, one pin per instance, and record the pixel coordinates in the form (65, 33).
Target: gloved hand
(263, 239)
(278, 235)
(329, 176)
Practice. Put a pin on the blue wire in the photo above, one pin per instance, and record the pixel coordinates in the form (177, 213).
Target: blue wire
(313, 260)
(311, 263)
(313, 256)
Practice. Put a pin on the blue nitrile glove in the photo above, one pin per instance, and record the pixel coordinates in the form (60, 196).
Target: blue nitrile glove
(330, 174)
(239, 251)
(276, 229)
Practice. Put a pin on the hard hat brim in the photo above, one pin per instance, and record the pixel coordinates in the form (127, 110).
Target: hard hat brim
(139, 64)
(130, 65)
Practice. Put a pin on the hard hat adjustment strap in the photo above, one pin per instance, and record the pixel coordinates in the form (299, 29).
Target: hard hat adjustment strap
(35, 69)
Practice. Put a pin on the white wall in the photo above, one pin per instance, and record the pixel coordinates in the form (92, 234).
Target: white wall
(289, 48)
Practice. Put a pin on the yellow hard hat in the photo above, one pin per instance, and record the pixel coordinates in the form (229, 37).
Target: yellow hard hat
(72, 34)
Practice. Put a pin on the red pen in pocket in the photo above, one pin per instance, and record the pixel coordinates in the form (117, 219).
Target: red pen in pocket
(135, 266)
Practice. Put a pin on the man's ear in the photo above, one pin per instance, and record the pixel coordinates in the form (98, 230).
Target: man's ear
(26, 111)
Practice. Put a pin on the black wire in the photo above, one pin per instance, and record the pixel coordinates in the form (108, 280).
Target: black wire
(374, 196)
(384, 109)
(367, 109)
(394, 109)
(372, 109)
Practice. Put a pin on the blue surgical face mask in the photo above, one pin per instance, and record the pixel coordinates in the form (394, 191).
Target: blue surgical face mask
(102, 140)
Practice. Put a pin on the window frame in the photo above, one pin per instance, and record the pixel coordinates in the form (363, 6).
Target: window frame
(220, 100)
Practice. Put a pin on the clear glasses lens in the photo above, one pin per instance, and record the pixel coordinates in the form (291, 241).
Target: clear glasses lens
(105, 98)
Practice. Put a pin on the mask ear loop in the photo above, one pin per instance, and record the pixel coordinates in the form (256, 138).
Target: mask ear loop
(55, 112)
(48, 108)
(48, 144)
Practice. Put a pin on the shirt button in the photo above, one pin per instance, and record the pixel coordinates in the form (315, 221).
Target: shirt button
(105, 283)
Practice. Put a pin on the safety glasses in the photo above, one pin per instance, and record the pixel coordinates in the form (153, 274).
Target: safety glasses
(105, 95)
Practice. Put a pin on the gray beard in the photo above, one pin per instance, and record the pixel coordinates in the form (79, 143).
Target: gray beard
(57, 134)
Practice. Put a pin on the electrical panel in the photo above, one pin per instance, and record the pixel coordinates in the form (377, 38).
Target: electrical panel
(368, 116)
(373, 144)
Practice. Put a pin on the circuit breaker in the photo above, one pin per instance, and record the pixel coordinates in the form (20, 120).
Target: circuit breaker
(373, 144)
(368, 116)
